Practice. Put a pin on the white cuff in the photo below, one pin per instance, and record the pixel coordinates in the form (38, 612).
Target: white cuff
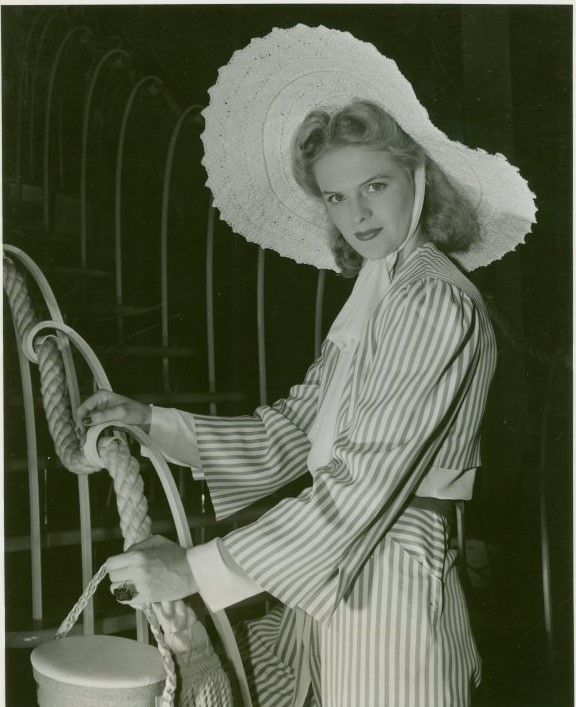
(173, 430)
(221, 582)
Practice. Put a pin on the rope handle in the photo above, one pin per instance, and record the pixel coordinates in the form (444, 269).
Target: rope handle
(78, 608)
(169, 667)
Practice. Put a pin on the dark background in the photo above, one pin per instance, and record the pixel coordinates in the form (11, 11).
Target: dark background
(494, 77)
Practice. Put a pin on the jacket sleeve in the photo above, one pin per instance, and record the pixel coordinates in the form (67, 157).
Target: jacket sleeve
(246, 458)
(426, 350)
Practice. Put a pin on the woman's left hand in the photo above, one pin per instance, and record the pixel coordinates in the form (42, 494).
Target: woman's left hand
(155, 570)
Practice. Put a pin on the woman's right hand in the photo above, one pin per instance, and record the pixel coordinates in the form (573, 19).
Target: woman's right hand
(105, 406)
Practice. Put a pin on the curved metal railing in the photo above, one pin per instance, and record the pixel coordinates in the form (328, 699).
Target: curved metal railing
(56, 322)
(27, 336)
(24, 96)
(164, 239)
(84, 31)
(118, 197)
(33, 91)
(119, 54)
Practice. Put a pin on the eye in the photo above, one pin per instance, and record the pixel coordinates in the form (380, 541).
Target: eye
(335, 198)
(376, 187)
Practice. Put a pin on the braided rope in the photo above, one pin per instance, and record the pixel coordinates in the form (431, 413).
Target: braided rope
(183, 633)
(52, 375)
(56, 406)
(173, 624)
(132, 506)
(19, 299)
(78, 608)
(169, 692)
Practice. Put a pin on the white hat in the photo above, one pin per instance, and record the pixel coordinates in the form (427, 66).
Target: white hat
(261, 97)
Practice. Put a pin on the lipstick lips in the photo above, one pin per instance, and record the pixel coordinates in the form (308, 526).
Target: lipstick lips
(367, 235)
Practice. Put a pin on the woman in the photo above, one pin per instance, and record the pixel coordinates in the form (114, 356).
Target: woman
(387, 419)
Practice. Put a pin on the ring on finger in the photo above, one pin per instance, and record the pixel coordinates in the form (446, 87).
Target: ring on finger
(125, 592)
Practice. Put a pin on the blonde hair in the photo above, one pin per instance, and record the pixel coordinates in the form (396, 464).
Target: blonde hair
(447, 218)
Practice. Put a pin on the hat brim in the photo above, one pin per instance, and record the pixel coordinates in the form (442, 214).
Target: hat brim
(261, 97)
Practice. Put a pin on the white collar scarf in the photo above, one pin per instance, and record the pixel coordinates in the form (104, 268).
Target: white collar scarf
(371, 284)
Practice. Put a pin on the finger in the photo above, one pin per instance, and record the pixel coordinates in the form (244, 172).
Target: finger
(122, 575)
(108, 414)
(98, 399)
(120, 562)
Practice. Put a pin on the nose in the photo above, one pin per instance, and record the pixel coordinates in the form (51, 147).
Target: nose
(359, 210)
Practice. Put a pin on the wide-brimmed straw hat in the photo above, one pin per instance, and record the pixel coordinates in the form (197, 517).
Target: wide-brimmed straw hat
(261, 97)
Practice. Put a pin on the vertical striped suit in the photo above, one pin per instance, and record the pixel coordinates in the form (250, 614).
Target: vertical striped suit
(368, 581)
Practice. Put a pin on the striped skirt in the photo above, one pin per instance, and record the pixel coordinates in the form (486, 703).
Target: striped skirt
(401, 637)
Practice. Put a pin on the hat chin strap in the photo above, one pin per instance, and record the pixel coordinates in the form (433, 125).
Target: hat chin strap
(419, 192)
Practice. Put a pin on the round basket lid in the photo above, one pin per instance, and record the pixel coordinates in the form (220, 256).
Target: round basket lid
(99, 661)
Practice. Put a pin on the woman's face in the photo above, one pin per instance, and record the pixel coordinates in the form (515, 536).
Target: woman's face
(368, 197)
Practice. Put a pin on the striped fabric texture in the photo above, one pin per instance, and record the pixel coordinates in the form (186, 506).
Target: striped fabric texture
(375, 580)
(402, 636)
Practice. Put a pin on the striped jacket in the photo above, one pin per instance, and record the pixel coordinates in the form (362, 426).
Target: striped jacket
(409, 420)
